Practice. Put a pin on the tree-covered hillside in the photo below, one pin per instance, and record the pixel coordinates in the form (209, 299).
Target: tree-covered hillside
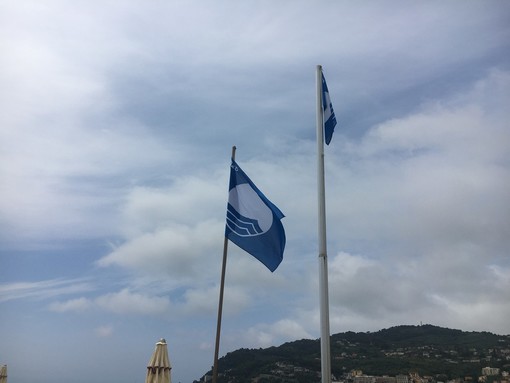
(428, 350)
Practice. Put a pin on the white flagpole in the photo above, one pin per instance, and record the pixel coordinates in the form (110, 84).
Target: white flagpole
(323, 258)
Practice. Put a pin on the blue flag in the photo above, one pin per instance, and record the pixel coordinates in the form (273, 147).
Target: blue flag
(329, 114)
(253, 222)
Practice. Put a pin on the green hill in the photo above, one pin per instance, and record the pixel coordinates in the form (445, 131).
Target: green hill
(436, 352)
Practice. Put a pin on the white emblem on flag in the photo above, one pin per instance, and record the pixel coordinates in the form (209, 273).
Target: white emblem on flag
(251, 218)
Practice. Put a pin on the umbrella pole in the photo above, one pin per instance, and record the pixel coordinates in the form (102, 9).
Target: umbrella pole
(220, 303)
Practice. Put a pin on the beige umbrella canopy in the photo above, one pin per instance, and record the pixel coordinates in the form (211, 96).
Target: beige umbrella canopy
(158, 370)
(3, 374)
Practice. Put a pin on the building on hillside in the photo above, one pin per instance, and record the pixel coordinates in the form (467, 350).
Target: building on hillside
(490, 371)
(355, 373)
(364, 379)
(385, 379)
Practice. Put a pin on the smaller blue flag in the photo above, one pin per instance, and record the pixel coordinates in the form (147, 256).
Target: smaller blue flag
(329, 114)
(253, 222)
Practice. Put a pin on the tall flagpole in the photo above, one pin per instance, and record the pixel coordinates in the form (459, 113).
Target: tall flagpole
(323, 258)
(220, 303)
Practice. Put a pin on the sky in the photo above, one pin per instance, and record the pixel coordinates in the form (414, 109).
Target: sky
(117, 120)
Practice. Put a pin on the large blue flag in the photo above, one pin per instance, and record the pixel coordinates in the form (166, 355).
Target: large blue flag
(253, 222)
(329, 114)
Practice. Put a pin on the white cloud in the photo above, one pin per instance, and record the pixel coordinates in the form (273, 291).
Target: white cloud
(437, 175)
(202, 300)
(104, 331)
(176, 250)
(43, 289)
(265, 335)
(205, 346)
(121, 302)
(78, 304)
(205, 301)
(370, 288)
(188, 200)
(127, 302)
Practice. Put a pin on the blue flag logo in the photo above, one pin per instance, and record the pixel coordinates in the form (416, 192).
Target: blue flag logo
(329, 114)
(253, 222)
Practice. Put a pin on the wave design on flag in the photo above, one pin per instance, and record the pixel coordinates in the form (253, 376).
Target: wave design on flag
(241, 225)
(247, 214)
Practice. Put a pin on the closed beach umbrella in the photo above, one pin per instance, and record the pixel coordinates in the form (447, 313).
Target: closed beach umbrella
(3, 374)
(158, 370)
